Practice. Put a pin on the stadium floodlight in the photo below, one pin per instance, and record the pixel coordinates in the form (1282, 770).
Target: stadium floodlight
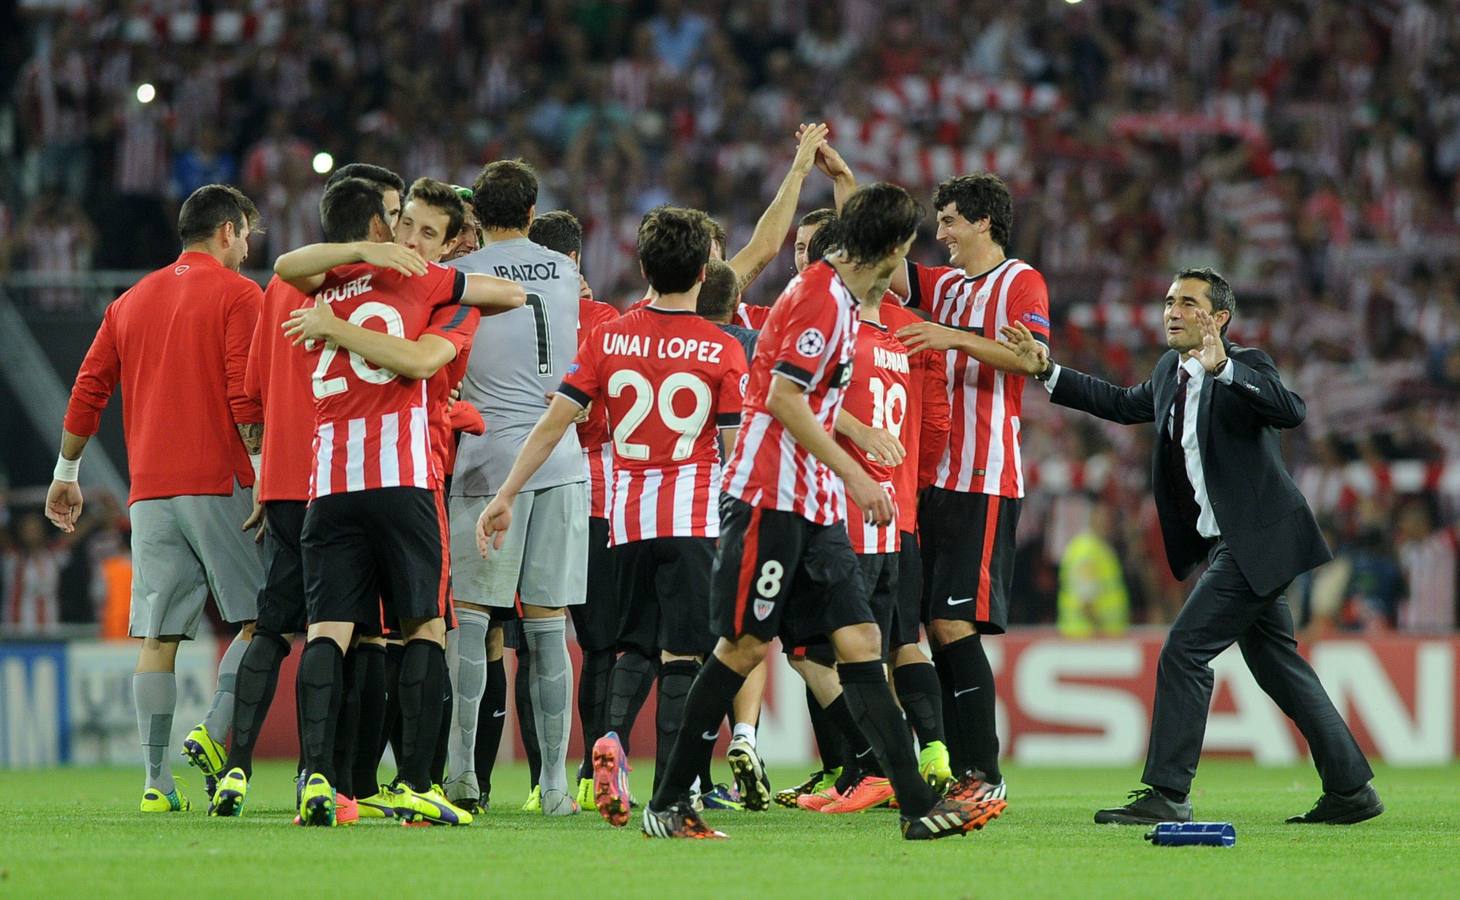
(146, 93)
(323, 163)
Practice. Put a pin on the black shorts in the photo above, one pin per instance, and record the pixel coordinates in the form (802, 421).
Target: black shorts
(909, 613)
(596, 619)
(281, 599)
(664, 595)
(778, 574)
(968, 556)
(374, 556)
(880, 578)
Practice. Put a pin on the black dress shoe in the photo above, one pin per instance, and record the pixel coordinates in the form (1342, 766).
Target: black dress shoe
(1342, 809)
(1146, 807)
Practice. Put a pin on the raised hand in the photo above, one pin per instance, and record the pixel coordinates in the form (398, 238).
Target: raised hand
(809, 138)
(1020, 341)
(1211, 354)
(393, 256)
(310, 323)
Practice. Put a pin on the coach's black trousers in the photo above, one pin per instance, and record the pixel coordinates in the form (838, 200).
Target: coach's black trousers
(1222, 610)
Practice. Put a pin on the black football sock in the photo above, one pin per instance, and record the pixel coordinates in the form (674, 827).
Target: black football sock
(443, 735)
(422, 685)
(258, 676)
(321, 688)
(953, 732)
(828, 739)
(864, 685)
(714, 687)
(489, 724)
(921, 696)
(390, 727)
(973, 698)
(628, 687)
(860, 759)
(593, 702)
(370, 672)
(347, 729)
(675, 679)
(526, 719)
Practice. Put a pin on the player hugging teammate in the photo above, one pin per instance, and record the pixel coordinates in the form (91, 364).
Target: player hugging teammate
(714, 503)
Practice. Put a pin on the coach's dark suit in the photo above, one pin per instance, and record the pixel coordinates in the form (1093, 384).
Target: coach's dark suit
(1268, 537)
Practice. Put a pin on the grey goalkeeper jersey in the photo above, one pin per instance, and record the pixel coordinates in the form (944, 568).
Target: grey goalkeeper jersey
(517, 359)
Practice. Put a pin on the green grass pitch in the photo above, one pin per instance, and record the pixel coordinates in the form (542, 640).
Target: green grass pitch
(77, 832)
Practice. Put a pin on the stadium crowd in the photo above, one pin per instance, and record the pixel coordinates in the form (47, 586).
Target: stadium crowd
(1137, 138)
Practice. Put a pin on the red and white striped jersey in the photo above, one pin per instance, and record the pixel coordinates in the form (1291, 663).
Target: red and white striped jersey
(448, 322)
(668, 381)
(809, 339)
(879, 396)
(593, 432)
(371, 426)
(983, 439)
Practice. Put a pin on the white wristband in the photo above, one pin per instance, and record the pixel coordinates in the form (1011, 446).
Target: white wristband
(257, 461)
(67, 469)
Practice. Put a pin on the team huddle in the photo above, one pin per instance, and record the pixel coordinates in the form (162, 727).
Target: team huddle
(440, 446)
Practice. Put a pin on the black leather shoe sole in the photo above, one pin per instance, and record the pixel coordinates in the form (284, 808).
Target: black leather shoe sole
(1347, 817)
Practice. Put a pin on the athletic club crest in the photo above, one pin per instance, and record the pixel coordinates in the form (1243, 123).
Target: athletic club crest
(763, 609)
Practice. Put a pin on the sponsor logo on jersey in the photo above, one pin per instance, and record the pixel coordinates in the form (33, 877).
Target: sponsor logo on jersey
(1036, 319)
(762, 609)
(181, 269)
(811, 342)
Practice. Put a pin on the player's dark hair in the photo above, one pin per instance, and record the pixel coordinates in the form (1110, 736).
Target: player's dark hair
(347, 208)
(717, 296)
(384, 178)
(718, 235)
(816, 217)
(982, 195)
(1218, 291)
(875, 221)
(674, 245)
(504, 194)
(209, 207)
(822, 242)
(558, 230)
(442, 196)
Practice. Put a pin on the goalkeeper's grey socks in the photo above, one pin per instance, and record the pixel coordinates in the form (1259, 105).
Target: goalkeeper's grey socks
(551, 686)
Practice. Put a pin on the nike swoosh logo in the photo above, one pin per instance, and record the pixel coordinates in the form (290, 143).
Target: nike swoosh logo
(957, 694)
(952, 602)
(711, 735)
(499, 713)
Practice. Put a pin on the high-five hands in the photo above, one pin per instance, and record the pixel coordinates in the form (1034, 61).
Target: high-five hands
(1019, 340)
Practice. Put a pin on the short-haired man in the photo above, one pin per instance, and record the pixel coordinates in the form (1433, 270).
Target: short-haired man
(784, 565)
(374, 527)
(671, 383)
(178, 341)
(514, 366)
(1212, 400)
(391, 186)
(975, 497)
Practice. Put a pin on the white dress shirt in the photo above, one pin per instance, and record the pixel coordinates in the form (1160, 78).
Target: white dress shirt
(1206, 523)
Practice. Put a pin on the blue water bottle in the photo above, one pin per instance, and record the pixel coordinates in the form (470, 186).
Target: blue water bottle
(1184, 834)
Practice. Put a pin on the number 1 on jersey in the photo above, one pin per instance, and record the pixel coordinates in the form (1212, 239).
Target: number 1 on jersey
(544, 333)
